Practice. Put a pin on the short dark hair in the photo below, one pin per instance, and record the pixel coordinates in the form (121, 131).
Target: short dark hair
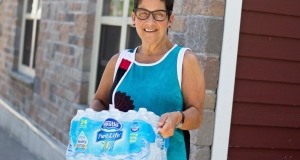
(168, 3)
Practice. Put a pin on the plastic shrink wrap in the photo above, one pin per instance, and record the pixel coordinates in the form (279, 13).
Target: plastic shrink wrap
(115, 135)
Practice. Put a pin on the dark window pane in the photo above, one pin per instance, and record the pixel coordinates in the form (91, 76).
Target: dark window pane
(29, 6)
(27, 42)
(36, 42)
(109, 41)
(109, 45)
(133, 40)
(113, 8)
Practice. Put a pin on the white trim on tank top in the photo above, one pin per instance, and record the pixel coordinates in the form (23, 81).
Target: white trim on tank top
(155, 63)
(180, 64)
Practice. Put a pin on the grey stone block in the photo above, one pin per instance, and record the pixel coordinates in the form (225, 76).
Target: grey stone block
(45, 10)
(204, 34)
(69, 17)
(83, 59)
(38, 101)
(71, 50)
(177, 9)
(179, 24)
(86, 60)
(204, 135)
(52, 92)
(37, 85)
(200, 153)
(73, 39)
(210, 101)
(59, 57)
(90, 7)
(177, 38)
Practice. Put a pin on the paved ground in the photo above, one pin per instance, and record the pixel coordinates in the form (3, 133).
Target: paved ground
(10, 149)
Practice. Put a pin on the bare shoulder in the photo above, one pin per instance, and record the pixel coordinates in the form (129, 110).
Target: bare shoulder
(192, 71)
(190, 59)
(112, 62)
(110, 68)
(114, 59)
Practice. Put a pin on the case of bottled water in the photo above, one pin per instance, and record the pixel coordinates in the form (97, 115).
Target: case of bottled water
(115, 135)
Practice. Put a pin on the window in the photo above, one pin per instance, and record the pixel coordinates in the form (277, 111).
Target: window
(29, 36)
(115, 33)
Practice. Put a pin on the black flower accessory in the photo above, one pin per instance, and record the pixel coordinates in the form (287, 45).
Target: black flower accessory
(123, 102)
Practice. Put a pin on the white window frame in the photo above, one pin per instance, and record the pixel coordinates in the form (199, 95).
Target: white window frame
(123, 21)
(35, 15)
(225, 91)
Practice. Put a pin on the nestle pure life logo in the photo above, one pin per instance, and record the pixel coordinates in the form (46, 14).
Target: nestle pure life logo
(110, 130)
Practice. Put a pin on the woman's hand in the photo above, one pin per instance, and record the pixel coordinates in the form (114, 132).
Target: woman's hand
(167, 123)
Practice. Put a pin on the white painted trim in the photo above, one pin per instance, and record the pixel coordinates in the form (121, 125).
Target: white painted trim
(109, 20)
(34, 15)
(124, 25)
(20, 66)
(227, 79)
(95, 56)
(30, 72)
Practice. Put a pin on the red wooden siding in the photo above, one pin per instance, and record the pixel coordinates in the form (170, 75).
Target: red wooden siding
(269, 70)
(266, 109)
(266, 115)
(273, 6)
(269, 47)
(264, 154)
(264, 137)
(270, 24)
(267, 92)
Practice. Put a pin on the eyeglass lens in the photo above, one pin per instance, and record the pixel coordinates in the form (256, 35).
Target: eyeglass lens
(143, 14)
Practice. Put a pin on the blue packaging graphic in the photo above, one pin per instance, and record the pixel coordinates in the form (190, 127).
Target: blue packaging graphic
(114, 135)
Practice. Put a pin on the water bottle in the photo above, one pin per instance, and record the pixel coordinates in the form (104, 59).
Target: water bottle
(161, 150)
(73, 128)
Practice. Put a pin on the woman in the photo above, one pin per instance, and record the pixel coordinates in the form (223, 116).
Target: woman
(158, 75)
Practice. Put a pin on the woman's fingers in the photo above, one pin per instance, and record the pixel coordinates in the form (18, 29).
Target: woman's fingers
(166, 125)
(162, 120)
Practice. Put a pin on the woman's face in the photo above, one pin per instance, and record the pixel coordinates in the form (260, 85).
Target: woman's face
(150, 30)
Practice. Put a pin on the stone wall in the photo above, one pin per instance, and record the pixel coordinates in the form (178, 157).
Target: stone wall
(63, 56)
(63, 63)
(18, 93)
(198, 24)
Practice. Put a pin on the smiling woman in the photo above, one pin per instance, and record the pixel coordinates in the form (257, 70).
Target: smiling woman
(157, 75)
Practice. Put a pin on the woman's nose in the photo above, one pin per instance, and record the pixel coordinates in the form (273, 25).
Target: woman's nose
(150, 18)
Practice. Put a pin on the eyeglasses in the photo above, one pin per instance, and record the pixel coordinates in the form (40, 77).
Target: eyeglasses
(143, 14)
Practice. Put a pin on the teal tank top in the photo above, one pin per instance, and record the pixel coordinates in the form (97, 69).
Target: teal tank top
(155, 86)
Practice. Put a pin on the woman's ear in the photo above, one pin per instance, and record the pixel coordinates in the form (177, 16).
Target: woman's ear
(133, 17)
(171, 18)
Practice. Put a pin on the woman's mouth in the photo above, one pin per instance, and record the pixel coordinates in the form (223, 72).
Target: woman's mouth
(150, 30)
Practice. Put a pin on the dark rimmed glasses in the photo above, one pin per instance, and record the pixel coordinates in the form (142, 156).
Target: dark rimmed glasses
(158, 15)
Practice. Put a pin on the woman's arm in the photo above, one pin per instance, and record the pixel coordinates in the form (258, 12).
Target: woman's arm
(101, 99)
(193, 91)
